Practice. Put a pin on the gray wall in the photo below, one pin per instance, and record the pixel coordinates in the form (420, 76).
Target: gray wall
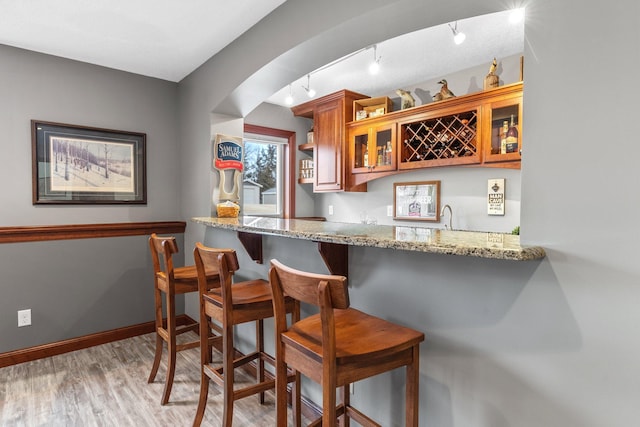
(549, 343)
(79, 287)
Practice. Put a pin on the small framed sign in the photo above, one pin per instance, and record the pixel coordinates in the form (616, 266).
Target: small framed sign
(416, 201)
(495, 196)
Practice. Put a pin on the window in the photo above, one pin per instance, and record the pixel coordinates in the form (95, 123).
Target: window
(267, 172)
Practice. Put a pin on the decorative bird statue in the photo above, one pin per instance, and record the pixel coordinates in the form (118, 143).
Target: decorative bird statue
(407, 100)
(492, 80)
(444, 93)
(492, 68)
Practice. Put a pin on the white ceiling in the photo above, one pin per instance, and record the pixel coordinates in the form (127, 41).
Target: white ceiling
(415, 58)
(158, 38)
(170, 39)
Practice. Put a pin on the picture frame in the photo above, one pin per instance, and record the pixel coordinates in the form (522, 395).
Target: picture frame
(416, 201)
(74, 164)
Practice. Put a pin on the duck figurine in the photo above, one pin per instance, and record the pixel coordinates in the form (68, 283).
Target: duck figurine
(444, 93)
(492, 80)
(408, 101)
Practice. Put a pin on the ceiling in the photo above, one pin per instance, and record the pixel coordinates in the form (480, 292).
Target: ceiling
(416, 57)
(169, 39)
(156, 38)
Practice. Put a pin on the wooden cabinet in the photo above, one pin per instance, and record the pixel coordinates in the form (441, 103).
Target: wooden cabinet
(330, 115)
(372, 151)
(465, 130)
(372, 148)
(461, 131)
(440, 138)
(497, 113)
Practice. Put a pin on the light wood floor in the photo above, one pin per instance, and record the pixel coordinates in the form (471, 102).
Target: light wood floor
(107, 385)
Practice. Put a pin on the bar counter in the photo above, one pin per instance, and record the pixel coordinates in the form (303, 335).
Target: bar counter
(419, 239)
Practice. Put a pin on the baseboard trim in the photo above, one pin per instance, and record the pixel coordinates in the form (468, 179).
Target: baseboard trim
(60, 347)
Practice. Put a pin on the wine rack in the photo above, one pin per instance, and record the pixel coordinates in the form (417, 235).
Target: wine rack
(440, 140)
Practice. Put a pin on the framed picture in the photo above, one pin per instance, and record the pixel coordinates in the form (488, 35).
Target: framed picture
(83, 165)
(416, 201)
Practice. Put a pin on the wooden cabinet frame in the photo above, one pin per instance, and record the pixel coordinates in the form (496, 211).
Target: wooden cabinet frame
(478, 107)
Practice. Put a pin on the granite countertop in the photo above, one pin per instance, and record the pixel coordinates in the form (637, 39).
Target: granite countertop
(420, 239)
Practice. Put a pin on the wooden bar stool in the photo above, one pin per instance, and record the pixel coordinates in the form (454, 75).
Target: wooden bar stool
(227, 304)
(337, 346)
(170, 281)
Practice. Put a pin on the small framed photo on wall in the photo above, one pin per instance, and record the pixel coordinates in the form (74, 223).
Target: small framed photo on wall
(416, 201)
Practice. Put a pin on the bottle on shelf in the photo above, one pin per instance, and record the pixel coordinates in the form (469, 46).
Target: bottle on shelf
(380, 161)
(387, 154)
(512, 137)
(503, 137)
(366, 157)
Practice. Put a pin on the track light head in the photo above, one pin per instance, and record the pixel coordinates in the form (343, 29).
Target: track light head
(374, 67)
(458, 36)
(310, 92)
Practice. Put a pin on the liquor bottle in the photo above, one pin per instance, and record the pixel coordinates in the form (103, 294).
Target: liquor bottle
(503, 137)
(512, 137)
(366, 157)
(388, 160)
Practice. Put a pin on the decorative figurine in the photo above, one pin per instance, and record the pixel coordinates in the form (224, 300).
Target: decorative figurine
(444, 93)
(492, 80)
(407, 100)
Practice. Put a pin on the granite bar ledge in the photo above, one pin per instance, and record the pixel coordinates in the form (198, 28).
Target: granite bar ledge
(419, 239)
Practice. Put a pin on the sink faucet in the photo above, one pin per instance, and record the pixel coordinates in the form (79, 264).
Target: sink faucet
(450, 227)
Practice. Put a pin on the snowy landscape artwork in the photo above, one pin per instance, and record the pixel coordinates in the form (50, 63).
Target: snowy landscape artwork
(84, 165)
(75, 164)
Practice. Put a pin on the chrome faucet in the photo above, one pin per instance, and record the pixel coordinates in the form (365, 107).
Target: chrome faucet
(450, 216)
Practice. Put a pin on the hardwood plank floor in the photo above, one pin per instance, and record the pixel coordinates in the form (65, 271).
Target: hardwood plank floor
(107, 386)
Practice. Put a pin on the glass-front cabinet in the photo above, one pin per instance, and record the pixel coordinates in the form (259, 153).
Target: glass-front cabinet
(373, 147)
(503, 130)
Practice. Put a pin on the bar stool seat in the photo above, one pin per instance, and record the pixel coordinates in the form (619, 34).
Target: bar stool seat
(338, 346)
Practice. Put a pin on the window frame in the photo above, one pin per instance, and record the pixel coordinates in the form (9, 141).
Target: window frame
(289, 164)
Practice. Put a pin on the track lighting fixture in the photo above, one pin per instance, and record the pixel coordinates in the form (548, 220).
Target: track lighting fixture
(374, 68)
(289, 99)
(458, 36)
(310, 92)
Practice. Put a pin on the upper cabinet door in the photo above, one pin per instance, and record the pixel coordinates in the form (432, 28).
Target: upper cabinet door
(328, 136)
(372, 148)
(503, 130)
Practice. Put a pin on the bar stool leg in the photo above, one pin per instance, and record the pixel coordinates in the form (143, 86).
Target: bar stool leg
(260, 350)
(171, 344)
(345, 421)
(202, 400)
(159, 340)
(412, 386)
(227, 372)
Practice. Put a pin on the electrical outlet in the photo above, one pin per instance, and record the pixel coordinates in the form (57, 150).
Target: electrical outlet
(330, 209)
(389, 210)
(24, 317)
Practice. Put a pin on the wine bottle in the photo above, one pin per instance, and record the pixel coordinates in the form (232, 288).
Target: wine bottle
(512, 137)
(366, 157)
(503, 137)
